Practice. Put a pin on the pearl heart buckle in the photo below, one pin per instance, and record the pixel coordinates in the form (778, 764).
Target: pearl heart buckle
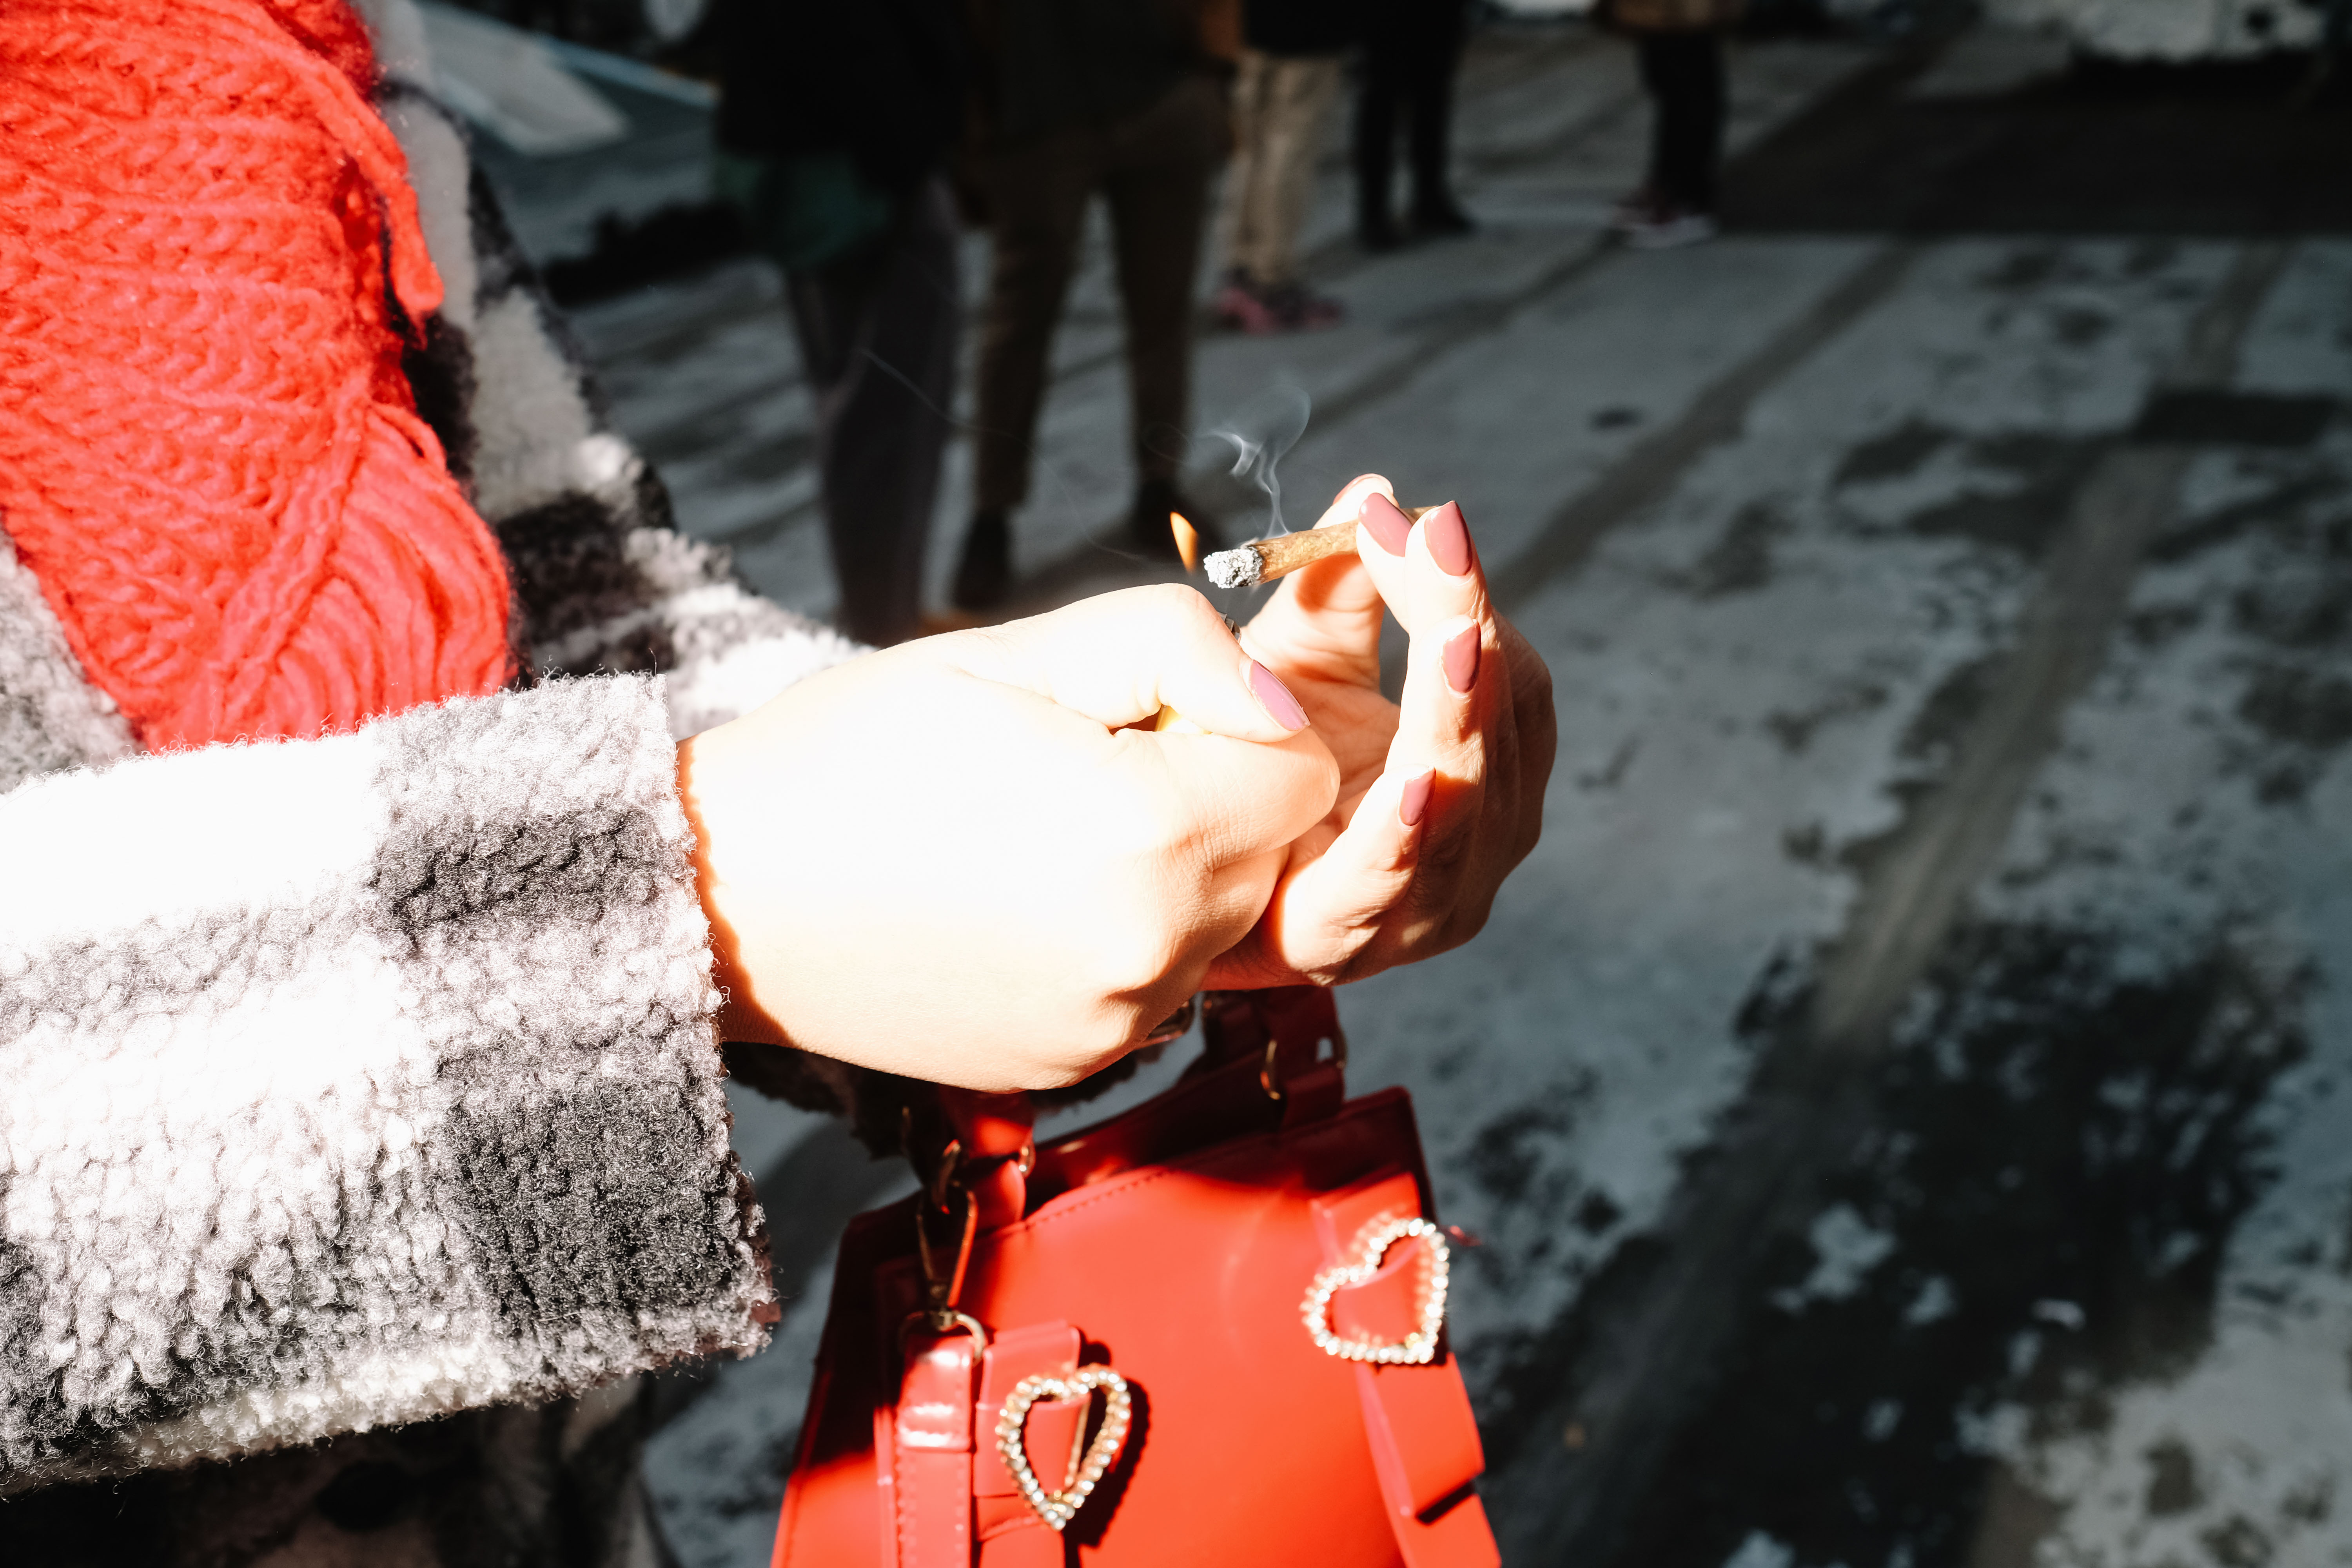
(1417, 1348)
(1086, 1464)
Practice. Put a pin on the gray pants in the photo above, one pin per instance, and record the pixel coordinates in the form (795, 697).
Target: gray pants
(1280, 102)
(878, 336)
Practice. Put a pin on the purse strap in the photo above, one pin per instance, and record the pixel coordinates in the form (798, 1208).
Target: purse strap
(932, 1448)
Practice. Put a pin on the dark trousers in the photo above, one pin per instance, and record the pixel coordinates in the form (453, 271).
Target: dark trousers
(878, 336)
(1152, 171)
(1411, 50)
(1684, 74)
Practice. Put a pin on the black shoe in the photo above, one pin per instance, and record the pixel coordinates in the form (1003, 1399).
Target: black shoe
(1147, 521)
(1442, 219)
(1377, 232)
(984, 574)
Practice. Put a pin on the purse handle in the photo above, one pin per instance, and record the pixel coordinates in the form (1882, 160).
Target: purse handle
(1294, 1032)
(974, 1150)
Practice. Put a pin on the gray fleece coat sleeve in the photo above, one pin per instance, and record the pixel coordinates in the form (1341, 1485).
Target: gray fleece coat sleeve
(352, 1081)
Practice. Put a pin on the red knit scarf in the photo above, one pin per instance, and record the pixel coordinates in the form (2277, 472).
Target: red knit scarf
(209, 456)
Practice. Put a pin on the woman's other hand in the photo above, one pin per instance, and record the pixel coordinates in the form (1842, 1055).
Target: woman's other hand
(951, 859)
(1439, 798)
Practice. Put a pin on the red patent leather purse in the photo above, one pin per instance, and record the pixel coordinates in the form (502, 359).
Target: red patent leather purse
(1210, 1330)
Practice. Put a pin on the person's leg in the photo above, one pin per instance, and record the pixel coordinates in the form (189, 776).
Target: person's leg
(1442, 28)
(829, 306)
(825, 307)
(882, 417)
(1290, 140)
(1038, 202)
(1253, 84)
(1156, 183)
(1377, 94)
(1037, 199)
(1655, 52)
(1705, 166)
(1242, 212)
(1684, 72)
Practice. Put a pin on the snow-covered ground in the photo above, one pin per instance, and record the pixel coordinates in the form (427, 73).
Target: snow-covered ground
(2170, 29)
(1782, 512)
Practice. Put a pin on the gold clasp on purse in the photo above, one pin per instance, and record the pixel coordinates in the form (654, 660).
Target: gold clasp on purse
(944, 1265)
(1270, 1077)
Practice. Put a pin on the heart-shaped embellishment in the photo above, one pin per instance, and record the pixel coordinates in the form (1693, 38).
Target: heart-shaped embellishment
(1417, 1348)
(1087, 1466)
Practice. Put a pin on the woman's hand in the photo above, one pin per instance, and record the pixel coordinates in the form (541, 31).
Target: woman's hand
(1438, 798)
(951, 860)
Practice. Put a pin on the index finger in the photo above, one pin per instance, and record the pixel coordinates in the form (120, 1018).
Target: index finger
(1120, 657)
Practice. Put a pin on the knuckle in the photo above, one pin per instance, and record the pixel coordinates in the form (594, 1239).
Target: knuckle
(1134, 818)
(1352, 957)
(1443, 861)
(1531, 688)
(995, 642)
(1143, 955)
(1467, 921)
(1131, 945)
(1179, 603)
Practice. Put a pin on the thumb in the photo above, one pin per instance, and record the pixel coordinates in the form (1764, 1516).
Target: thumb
(1120, 659)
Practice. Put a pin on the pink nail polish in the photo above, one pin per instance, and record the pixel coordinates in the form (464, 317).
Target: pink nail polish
(1380, 518)
(1449, 539)
(1275, 698)
(1415, 800)
(1463, 650)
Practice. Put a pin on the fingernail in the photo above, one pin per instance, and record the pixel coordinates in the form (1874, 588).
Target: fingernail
(1415, 800)
(1462, 652)
(1275, 698)
(1449, 539)
(1380, 518)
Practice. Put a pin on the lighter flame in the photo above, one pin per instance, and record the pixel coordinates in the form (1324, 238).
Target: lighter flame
(1187, 540)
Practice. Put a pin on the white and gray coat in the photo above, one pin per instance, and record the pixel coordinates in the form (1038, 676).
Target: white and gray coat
(360, 1107)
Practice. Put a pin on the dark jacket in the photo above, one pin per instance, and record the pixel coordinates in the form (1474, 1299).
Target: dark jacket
(882, 80)
(1040, 65)
(1302, 26)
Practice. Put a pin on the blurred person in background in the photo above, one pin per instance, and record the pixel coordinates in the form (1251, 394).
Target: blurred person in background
(1125, 99)
(1412, 48)
(1294, 57)
(1681, 46)
(835, 125)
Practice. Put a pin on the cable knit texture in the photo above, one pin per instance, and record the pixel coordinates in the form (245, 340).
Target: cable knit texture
(209, 452)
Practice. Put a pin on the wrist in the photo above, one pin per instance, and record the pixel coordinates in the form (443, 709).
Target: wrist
(700, 760)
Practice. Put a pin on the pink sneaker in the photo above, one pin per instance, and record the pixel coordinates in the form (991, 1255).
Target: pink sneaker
(1239, 306)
